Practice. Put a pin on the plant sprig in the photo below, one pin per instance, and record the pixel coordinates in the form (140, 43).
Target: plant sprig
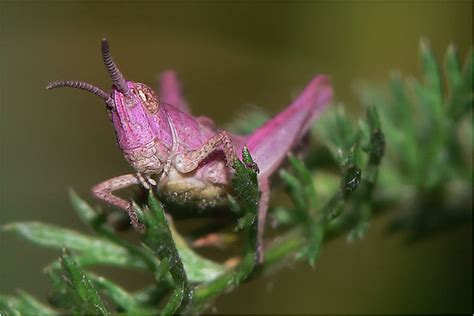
(409, 154)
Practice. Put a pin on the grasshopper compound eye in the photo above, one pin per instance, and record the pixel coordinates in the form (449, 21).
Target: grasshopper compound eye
(146, 96)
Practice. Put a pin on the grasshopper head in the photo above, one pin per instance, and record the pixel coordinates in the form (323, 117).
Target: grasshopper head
(131, 106)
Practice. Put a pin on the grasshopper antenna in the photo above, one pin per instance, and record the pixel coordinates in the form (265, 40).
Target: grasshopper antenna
(112, 69)
(83, 86)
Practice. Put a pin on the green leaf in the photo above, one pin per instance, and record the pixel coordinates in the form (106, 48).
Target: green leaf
(336, 209)
(398, 116)
(461, 100)
(152, 295)
(453, 69)
(296, 191)
(432, 93)
(119, 296)
(247, 195)
(304, 197)
(98, 224)
(30, 305)
(23, 304)
(305, 177)
(313, 249)
(341, 137)
(433, 127)
(87, 300)
(245, 186)
(468, 72)
(9, 305)
(284, 216)
(401, 110)
(83, 210)
(198, 269)
(92, 250)
(62, 295)
(459, 83)
(158, 238)
(55, 237)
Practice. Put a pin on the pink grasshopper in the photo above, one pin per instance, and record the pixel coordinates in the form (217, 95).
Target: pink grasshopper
(188, 158)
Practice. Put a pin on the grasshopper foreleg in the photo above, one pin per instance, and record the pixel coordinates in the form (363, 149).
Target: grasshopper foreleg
(103, 191)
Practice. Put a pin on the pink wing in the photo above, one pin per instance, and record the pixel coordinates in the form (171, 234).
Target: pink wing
(270, 143)
(170, 91)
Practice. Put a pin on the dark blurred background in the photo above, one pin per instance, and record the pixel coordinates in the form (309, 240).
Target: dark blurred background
(228, 56)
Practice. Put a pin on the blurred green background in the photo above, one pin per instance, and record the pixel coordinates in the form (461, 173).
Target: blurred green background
(228, 56)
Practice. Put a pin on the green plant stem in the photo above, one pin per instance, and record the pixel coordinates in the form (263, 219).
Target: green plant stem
(278, 253)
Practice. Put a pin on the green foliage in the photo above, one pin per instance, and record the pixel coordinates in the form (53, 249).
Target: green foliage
(85, 297)
(304, 197)
(159, 239)
(246, 189)
(411, 153)
(246, 194)
(91, 250)
(428, 126)
(23, 304)
(198, 269)
(184, 281)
